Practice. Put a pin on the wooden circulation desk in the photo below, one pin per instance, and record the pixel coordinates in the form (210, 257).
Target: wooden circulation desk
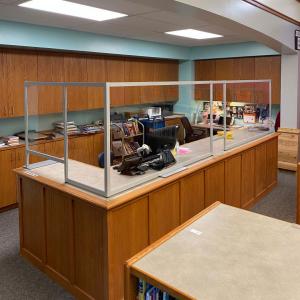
(82, 241)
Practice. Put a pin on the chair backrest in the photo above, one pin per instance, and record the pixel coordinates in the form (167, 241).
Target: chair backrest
(187, 126)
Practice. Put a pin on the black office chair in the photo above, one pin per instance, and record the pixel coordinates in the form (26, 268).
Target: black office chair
(190, 135)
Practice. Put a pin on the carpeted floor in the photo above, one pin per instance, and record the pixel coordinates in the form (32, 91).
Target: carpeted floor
(19, 280)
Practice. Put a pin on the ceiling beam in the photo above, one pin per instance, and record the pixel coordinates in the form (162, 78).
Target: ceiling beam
(273, 11)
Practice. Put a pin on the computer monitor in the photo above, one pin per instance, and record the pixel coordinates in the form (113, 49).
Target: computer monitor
(228, 121)
(162, 138)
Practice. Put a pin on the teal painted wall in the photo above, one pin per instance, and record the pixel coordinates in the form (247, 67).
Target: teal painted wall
(231, 50)
(27, 35)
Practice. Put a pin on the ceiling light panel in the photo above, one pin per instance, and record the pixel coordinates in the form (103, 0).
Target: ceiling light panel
(72, 9)
(194, 34)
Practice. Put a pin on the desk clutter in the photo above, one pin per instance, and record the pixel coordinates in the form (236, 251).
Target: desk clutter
(11, 140)
(146, 291)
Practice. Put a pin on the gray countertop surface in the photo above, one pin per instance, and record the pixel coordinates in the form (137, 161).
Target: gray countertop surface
(231, 254)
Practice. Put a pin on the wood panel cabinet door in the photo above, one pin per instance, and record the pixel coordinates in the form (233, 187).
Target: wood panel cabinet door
(75, 67)
(248, 178)
(98, 147)
(214, 184)
(191, 195)
(133, 73)
(55, 148)
(164, 211)
(204, 70)
(225, 71)
(148, 69)
(115, 71)
(127, 226)
(81, 149)
(50, 67)
(18, 66)
(8, 192)
(272, 161)
(96, 72)
(245, 70)
(268, 67)
(260, 169)
(233, 181)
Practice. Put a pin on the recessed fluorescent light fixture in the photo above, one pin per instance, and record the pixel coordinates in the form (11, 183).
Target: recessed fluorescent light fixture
(73, 9)
(194, 34)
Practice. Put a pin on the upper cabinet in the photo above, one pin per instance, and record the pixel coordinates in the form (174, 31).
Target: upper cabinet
(268, 67)
(75, 70)
(50, 67)
(96, 72)
(16, 67)
(248, 68)
(115, 71)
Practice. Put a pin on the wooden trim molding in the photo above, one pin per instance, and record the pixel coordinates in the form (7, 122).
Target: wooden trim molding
(273, 11)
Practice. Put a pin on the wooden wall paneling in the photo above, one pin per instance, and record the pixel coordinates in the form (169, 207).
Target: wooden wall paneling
(75, 70)
(18, 66)
(32, 218)
(260, 169)
(233, 181)
(191, 195)
(204, 70)
(96, 72)
(214, 184)
(159, 75)
(59, 233)
(272, 162)
(248, 178)
(133, 73)
(7, 177)
(98, 145)
(128, 226)
(4, 102)
(164, 211)
(115, 72)
(90, 254)
(50, 67)
(268, 67)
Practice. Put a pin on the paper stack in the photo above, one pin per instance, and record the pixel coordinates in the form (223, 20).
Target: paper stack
(71, 127)
(11, 140)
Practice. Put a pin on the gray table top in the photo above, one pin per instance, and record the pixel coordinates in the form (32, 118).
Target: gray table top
(233, 254)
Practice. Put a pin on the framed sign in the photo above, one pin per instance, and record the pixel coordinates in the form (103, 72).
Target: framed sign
(297, 39)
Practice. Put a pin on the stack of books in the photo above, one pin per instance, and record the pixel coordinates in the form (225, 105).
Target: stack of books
(131, 128)
(11, 140)
(71, 127)
(149, 292)
(90, 128)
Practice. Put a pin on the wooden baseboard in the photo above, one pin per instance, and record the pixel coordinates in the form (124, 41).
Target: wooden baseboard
(249, 205)
(287, 166)
(9, 207)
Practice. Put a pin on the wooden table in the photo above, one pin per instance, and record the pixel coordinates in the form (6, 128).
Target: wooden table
(82, 240)
(223, 253)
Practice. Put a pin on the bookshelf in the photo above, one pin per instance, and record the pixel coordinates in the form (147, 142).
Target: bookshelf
(126, 138)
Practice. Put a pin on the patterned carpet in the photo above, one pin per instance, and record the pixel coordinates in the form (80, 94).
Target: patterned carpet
(19, 280)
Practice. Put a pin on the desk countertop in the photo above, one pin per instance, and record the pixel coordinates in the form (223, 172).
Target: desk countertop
(230, 253)
(94, 177)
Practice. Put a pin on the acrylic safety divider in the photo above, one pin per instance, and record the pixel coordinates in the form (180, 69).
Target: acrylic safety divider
(75, 170)
(246, 111)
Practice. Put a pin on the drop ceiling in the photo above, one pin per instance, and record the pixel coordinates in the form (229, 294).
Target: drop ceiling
(147, 20)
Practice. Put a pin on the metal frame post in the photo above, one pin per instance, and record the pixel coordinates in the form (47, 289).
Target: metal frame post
(270, 102)
(211, 130)
(27, 152)
(66, 138)
(107, 155)
(224, 112)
